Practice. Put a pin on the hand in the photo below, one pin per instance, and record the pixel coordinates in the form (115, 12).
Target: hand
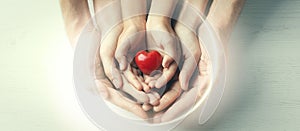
(186, 29)
(132, 38)
(199, 84)
(161, 37)
(222, 17)
(77, 17)
(110, 26)
(108, 92)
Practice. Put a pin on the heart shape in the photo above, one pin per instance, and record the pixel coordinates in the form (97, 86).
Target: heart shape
(148, 61)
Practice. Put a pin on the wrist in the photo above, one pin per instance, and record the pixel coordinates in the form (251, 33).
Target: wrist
(156, 19)
(158, 23)
(137, 21)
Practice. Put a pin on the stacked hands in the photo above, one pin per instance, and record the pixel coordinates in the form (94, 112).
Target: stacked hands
(149, 78)
(146, 65)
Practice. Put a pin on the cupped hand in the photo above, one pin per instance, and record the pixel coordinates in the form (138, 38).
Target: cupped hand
(190, 53)
(131, 40)
(199, 84)
(222, 16)
(79, 21)
(107, 91)
(161, 37)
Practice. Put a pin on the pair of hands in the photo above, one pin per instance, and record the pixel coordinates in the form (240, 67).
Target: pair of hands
(222, 16)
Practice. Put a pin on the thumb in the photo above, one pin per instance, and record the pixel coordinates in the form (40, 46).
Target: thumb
(167, 60)
(121, 53)
(186, 72)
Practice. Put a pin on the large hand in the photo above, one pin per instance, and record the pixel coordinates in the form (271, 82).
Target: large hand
(108, 92)
(190, 54)
(186, 29)
(76, 16)
(131, 40)
(222, 16)
(198, 84)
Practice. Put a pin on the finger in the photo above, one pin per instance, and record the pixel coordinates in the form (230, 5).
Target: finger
(140, 96)
(146, 107)
(167, 75)
(172, 48)
(151, 78)
(107, 50)
(152, 84)
(169, 97)
(186, 72)
(123, 102)
(132, 79)
(136, 73)
(154, 98)
(167, 60)
(121, 53)
(181, 106)
(146, 88)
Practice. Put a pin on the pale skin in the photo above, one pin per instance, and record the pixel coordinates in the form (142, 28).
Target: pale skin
(222, 15)
(77, 16)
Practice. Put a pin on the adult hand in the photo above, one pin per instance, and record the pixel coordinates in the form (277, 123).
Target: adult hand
(186, 29)
(161, 37)
(107, 91)
(77, 17)
(199, 84)
(132, 38)
(222, 16)
(110, 26)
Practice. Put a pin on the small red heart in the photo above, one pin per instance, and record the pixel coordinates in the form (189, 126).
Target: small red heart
(148, 61)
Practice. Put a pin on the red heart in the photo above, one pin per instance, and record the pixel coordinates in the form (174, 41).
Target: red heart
(148, 61)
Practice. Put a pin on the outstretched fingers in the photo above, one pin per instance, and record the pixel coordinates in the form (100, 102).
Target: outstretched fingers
(167, 75)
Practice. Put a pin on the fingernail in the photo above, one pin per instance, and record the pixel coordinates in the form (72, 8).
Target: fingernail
(117, 83)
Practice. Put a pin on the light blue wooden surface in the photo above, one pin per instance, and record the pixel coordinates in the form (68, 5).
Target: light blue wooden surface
(263, 91)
